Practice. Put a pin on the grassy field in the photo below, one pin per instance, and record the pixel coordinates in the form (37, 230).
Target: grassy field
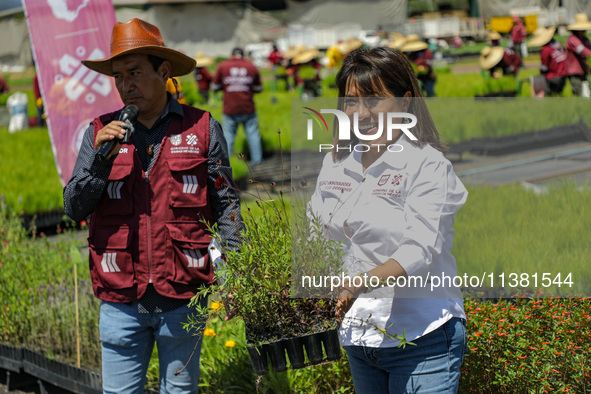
(512, 230)
(32, 185)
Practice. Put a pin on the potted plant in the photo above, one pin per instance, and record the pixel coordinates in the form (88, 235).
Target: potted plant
(255, 282)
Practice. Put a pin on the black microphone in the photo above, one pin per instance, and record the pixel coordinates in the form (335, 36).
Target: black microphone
(127, 115)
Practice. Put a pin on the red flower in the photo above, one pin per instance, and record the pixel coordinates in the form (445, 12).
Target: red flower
(220, 182)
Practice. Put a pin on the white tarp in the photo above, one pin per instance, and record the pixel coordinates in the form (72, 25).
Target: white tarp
(16, 47)
(369, 13)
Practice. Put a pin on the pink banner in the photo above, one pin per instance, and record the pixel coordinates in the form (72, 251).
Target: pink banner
(62, 33)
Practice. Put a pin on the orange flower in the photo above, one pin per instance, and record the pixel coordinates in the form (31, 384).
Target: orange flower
(230, 343)
(209, 332)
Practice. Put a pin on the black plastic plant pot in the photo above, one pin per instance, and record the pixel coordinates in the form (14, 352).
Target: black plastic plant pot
(313, 345)
(258, 358)
(276, 352)
(295, 352)
(332, 347)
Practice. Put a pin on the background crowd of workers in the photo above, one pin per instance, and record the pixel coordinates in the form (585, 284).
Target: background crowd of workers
(300, 68)
(557, 64)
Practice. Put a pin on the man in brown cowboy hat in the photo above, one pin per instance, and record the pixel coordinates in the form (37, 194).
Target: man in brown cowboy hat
(149, 203)
(578, 49)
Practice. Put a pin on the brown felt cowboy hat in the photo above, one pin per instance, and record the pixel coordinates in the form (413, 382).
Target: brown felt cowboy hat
(138, 37)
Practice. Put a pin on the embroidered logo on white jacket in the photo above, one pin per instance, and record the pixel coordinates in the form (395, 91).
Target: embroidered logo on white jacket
(195, 258)
(109, 262)
(114, 190)
(189, 184)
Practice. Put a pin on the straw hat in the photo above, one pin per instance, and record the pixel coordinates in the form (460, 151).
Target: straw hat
(581, 23)
(397, 42)
(349, 45)
(414, 44)
(139, 37)
(541, 37)
(490, 57)
(293, 51)
(202, 60)
(493, 35)
(305, 56)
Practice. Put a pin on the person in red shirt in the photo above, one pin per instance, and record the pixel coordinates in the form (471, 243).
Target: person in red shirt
(203, 76)
(494, 59)
(578, 49)
(240, 80)
(3, 85)
(553, 60)
(518, 35)
(275, 58)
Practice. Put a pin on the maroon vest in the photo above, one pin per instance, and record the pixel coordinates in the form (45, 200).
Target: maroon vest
(149, 229)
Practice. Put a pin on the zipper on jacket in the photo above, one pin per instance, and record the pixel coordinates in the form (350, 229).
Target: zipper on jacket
(148, 228)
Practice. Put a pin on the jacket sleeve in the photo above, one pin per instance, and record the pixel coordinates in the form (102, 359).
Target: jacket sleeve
(223, 195)
(435, 196)
(88, 181)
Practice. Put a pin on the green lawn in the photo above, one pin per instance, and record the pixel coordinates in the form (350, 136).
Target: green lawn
(31, 181)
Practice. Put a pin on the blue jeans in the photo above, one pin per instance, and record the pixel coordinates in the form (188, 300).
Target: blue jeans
(128, 340)
(251, 128)
(432, 366)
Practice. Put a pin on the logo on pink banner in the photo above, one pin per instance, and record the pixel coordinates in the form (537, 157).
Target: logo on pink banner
(64, 32)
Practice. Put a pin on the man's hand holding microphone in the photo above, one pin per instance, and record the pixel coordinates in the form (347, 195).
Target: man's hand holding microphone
(110, 138)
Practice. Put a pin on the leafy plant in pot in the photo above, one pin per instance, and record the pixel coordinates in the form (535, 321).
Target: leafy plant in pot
(255, 282)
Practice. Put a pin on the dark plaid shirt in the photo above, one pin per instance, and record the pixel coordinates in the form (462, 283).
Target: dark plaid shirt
(89, 178)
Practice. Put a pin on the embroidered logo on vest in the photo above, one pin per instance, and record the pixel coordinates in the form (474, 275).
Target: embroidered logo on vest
(191, 139)
(176, 139)
(109, 263)
(195, 258)
(114, 190)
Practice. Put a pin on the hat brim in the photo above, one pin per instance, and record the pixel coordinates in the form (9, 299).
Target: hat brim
(181, 64)
(204, 61)
(579, 26)
(414, 46)
(350, 46)
(304, 57)
(397, 44)
(542, 39)
(488, 62)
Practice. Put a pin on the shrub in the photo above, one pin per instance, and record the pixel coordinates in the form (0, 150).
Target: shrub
(522, 345)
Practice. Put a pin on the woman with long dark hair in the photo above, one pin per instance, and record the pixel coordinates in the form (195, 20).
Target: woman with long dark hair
(391, 197)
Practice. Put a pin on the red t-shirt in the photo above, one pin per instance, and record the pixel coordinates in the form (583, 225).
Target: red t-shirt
(239, 79)
(275, 57)
(518, 33)
(510, 63)
(203, 78)
(577, 52)
(3, 85)
(553, 60)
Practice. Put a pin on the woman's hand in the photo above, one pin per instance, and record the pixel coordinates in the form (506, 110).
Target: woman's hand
(346, 299)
